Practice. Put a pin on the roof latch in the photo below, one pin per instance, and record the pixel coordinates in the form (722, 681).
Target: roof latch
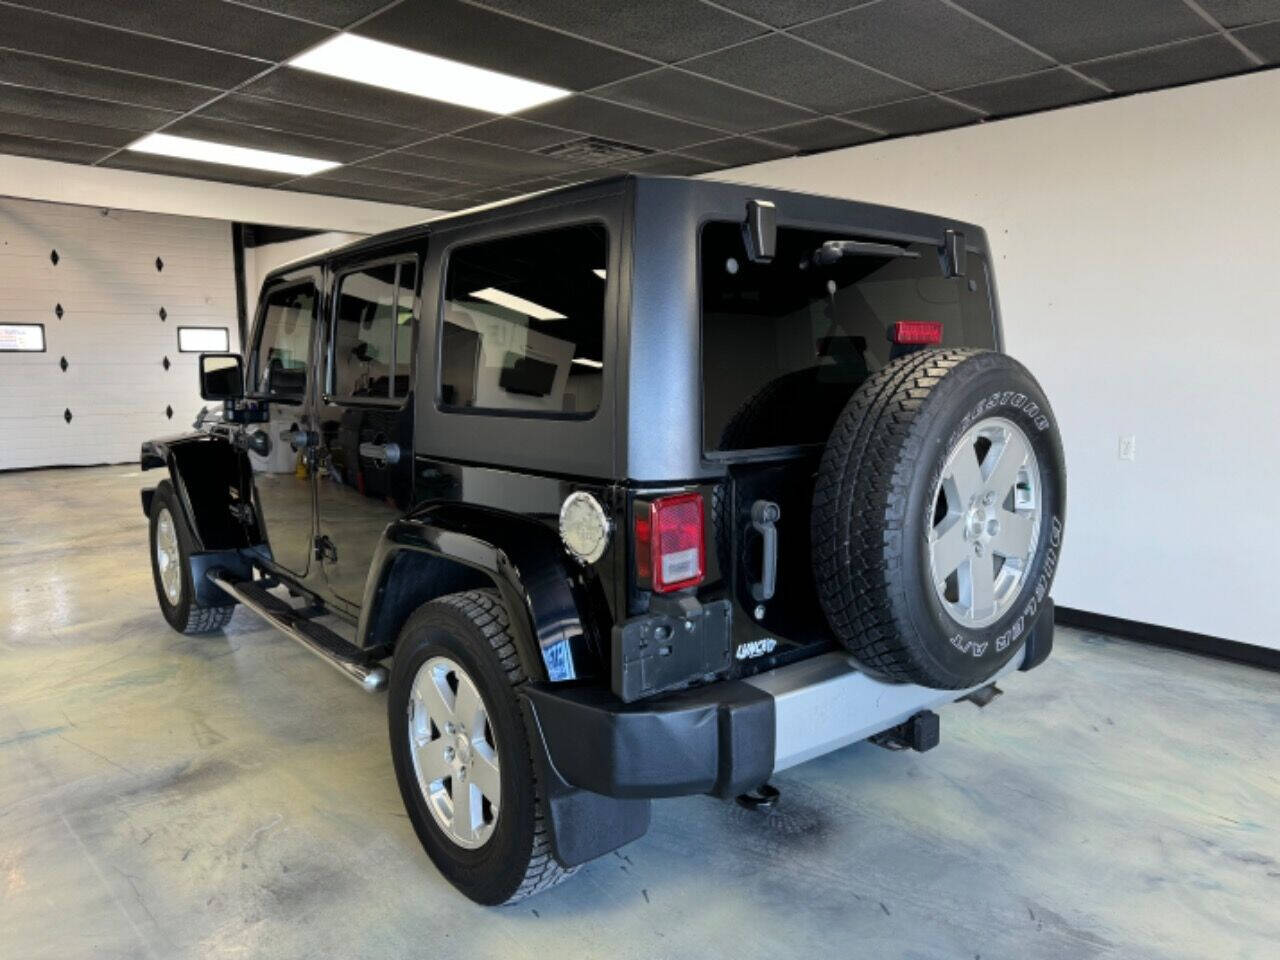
(760, 230)
(953, 252)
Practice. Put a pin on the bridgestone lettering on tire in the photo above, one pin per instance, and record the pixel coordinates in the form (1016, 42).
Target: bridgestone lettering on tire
(937, 517)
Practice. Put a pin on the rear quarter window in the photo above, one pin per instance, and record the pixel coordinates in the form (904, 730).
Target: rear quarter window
(523, 323)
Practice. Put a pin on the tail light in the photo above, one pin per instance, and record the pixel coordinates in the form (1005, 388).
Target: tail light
(916, 332)
(669, 542)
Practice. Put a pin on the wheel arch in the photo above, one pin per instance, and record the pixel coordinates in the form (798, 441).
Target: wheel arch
(204, 471)
(456, 547)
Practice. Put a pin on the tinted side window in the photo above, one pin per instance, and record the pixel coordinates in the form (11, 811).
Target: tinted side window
(279, 362)
(373, 332)
(523, 323)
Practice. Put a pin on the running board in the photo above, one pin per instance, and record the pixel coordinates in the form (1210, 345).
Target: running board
(348, 659)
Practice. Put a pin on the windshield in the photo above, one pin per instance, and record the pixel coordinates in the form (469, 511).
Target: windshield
(785, 344)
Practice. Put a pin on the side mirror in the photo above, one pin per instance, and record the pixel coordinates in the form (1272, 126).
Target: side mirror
(221, 376)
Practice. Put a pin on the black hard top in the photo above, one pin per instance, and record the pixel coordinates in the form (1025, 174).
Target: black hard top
(713, 192)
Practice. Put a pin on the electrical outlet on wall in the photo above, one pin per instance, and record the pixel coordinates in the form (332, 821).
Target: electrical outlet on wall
(1128, 447)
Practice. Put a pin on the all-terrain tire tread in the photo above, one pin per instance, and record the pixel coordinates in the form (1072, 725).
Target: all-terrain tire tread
(485, 609)
(207, 619)
(860, 506)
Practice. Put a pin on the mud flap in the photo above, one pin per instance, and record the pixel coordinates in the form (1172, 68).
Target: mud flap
(584, 825)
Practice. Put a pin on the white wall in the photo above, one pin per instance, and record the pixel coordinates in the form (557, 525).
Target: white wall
(110, 332)
(1135, 244)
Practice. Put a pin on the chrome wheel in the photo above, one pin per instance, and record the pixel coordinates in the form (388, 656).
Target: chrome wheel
(168, 557)
(455, 756)
(986, 522)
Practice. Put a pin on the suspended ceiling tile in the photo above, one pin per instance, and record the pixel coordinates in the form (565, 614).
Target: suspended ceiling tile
(781, 67)
(1039, 91)
(698, 100)
(47, 149)
(925, 42)
(1238, 13)
(517, 163)
(822, 134)
(1180, 63)
(917, 115)
(669, 165)
(259, 138)
(62, 76)
(519, 134)
(737, 151)
(1085, 29)
(291, 118)
(305, 89)
(25, 125)
(333, 13)
(663, 29)
(208, 23)
(614, 121)
(411, 183)
(356, 191)
(786, 13)
(171, 166)
(489, 39)
(1264, 40)
(58, 106)
(36, 32)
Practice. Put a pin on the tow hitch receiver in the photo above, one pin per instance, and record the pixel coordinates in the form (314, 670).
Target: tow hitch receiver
(922, 732)
(983, 695)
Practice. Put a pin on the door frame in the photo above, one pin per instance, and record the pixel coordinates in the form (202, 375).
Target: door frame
(323, 399)
(317, 276)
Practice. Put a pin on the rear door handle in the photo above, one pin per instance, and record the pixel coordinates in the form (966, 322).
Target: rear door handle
(298, 439)
(764, 514)
(381, 452)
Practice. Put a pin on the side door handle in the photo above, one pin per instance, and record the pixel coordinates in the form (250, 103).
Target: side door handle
(381, 452)
(764, 514)
(299, 439)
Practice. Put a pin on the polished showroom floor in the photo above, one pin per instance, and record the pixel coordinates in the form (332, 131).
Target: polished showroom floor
(172, 797)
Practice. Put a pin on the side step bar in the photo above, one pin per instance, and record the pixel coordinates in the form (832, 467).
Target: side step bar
(346, 658)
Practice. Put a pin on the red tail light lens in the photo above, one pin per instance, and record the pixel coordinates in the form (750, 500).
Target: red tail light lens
(670, 543)
(915, 332)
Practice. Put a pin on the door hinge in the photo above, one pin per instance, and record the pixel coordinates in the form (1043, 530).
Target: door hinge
(325, 550)
(242, 512)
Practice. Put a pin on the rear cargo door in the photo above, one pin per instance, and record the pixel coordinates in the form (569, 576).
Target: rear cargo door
(785, 345)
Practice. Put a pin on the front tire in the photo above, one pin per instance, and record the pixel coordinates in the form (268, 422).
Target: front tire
(171, 545)
(461, 750)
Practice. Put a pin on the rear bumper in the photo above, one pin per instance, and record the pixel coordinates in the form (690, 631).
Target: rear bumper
(729, 737)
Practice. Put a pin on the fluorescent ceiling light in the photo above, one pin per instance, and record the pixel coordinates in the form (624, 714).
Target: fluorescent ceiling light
(206, 151)
(600, 273)
(423, 75)
(518, 304)
(584, 362)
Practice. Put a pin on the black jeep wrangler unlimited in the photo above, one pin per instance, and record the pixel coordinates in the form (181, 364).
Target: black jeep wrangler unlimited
(633, 489)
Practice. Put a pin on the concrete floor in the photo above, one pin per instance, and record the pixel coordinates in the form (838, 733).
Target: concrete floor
(172, 797)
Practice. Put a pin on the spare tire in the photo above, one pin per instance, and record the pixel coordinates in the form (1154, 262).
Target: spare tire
(937, 517)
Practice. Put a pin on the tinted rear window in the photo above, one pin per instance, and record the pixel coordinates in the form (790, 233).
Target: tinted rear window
(785, 344)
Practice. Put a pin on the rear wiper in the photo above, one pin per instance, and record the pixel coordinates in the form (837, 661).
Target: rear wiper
(834, 250)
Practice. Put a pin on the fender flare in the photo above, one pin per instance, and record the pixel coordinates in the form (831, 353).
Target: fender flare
(204, 470)
(544, 592)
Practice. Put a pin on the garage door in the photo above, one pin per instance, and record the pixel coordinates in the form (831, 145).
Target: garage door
(102, 315)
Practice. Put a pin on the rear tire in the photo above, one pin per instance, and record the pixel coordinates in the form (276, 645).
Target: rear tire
(171, 548)
(465, 639)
